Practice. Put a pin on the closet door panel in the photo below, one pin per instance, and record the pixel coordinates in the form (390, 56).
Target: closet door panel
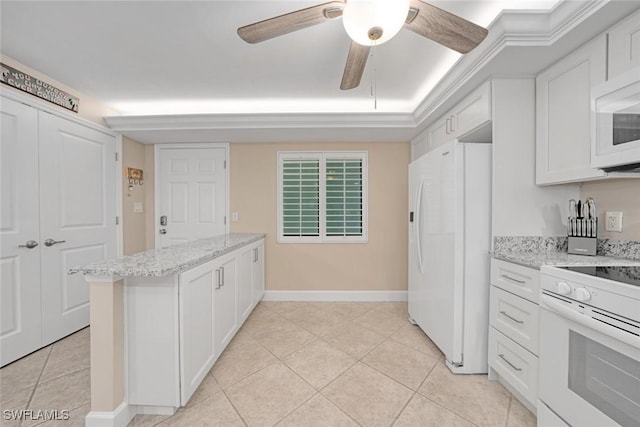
(20, 316)
(78, 190)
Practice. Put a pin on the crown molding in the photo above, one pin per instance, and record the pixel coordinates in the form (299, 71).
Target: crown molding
(520, 43)
(271, 127)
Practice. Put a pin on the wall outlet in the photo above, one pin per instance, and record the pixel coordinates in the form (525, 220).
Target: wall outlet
(613, 221)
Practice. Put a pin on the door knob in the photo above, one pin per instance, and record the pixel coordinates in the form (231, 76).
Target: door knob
(29, 244)
(163, 231)
(51, 242)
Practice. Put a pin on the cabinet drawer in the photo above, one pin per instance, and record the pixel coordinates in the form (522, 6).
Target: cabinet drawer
(519, 280)
(515, 317)
(515, 365)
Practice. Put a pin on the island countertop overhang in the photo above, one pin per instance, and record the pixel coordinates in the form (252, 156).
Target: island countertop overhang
(169, 260)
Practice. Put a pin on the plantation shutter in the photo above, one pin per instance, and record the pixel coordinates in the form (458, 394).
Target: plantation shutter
(344, 197)
(301, 197)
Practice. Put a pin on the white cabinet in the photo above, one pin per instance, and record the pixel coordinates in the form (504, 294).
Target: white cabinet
(563, 115)
(250, 278)
(469, 115)
(439, 133)
(178, 325)
(196, 299)
(58, 211)
(225, 307)
(624, 45)
(244, 284)
(472, 113)
(257, 270)
(514, 329)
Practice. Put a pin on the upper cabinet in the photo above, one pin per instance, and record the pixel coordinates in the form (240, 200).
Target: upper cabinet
(624, 45)
(563, 115)
(471, 116)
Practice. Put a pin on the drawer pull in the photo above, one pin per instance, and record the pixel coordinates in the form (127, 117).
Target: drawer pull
(505, 314)
(504, 276)
(501, 356)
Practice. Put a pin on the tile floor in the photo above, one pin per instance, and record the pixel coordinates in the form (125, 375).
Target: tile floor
(292, 364)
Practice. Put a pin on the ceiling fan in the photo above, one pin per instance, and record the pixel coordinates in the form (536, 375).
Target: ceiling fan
(372, 22)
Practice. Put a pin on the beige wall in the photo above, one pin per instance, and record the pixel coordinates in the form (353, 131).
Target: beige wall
(134, 224)
(88, 108)
(381, 264)
(617, 195)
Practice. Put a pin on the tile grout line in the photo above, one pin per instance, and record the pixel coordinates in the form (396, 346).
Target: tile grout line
(414, 393)
(35, 386)
(233, 406)
(506, 421)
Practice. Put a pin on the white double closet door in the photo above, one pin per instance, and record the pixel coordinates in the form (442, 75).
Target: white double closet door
(58, 191)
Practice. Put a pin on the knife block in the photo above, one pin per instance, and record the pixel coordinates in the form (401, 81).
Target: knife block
(583, 236)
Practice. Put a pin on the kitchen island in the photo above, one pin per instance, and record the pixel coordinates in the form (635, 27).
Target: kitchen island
(161, 318)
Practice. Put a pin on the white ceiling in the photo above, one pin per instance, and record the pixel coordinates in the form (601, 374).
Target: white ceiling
(184, 57)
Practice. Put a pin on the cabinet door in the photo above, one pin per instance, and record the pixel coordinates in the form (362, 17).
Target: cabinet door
(472, 112)
(244, 285)
(20, 323)
(258, 272)
(563, 115)
(197, 349)
(225, 317)
(439, 132)
(624, 45)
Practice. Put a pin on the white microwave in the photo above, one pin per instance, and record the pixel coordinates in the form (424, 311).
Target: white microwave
(615, 133)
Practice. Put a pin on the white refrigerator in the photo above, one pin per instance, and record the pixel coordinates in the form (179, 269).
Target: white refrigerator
(449, 243)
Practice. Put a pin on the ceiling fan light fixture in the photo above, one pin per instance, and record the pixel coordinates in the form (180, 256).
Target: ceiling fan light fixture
(370, 22)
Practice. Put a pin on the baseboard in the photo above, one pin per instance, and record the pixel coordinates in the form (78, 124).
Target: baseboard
(362, 296)
(119, 417)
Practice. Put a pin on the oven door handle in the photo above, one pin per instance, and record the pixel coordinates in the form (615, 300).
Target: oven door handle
(553, 305)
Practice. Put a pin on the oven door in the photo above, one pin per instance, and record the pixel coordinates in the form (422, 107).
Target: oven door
(616, 122)
(589, 371)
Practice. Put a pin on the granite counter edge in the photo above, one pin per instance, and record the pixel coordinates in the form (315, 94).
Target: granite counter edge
(160, 272)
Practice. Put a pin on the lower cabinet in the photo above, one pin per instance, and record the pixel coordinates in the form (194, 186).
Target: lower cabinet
(228, 270)
(514, 329)
(257, 269)
(197, 337)
(250, 279)
(177, 326)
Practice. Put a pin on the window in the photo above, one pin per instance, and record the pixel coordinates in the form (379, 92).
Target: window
(322, 197)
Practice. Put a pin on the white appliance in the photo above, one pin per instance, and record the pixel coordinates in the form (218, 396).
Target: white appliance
(449, 242)
(589, 347)
(615, 129)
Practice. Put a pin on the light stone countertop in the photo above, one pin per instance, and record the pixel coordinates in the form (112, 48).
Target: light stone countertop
(538, 259)
(171, 259)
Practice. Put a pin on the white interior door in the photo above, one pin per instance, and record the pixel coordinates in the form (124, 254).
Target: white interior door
(77, 220)
(192, 193)
(20, 315)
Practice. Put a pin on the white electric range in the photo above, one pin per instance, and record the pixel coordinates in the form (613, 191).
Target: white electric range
(589, 347)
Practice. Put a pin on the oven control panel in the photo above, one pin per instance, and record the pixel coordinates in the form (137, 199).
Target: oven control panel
(580, 291)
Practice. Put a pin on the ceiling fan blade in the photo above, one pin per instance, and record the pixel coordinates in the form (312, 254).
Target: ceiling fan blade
(354, 68)
(443, 27)
(284, 24)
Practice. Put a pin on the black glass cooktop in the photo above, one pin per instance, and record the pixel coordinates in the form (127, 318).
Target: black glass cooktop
(628, 275)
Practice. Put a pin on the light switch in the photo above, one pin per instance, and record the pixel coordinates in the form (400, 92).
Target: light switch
(235, 216)
(137, 207)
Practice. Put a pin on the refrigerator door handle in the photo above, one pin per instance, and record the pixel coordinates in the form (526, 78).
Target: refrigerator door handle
(418, 220)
